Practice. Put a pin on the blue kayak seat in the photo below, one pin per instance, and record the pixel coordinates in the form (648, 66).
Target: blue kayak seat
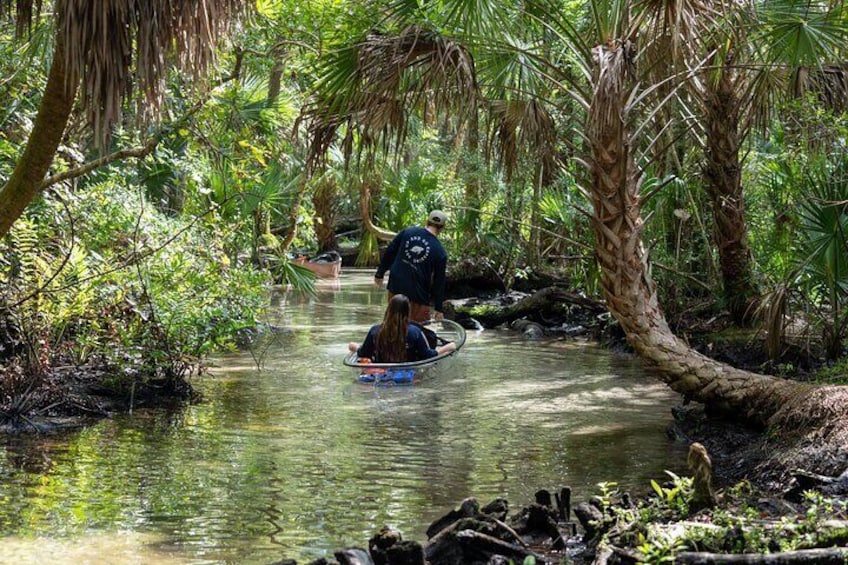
(390, 377)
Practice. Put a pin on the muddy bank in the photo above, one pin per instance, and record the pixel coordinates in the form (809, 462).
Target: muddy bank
(70, 396)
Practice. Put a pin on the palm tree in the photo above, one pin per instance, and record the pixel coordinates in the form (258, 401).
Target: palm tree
(98, 47)
(741, 56)
(370, 90)
(698, 39)
(325, 202)
(615, 177)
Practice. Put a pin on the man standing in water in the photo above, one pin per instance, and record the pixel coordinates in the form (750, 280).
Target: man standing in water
(416, 262)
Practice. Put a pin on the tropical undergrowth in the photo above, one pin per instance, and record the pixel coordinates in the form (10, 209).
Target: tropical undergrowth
(667, 522)
(103, 296)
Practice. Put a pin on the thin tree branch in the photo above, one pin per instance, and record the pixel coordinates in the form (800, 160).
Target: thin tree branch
(144, 150)
(687, 276)
(76, 172)
(142, 255)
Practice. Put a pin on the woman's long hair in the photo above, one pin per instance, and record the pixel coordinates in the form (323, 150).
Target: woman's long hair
(391, 339)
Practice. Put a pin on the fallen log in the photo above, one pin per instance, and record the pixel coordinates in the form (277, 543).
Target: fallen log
(603, 555)
(467, 508)
(805, 480)
(405, 553)
(353, 556)
(547, 304)
(505, 527)
(832, 556)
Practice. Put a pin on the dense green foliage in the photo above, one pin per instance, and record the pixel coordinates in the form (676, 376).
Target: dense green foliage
(664, 524)
(123, 285)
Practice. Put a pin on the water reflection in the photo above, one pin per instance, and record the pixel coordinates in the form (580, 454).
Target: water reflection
(296, 460)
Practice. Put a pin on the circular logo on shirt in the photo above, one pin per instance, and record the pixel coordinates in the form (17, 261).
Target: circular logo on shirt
(416, 249)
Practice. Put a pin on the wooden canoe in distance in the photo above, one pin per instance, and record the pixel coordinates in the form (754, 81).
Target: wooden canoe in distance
(325, 266)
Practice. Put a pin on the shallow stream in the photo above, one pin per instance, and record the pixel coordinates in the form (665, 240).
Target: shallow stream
(296, 460)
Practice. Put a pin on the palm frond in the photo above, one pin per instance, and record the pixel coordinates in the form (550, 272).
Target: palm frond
(527, 124)
(479, 17)
(111, 44)
(297, 276)
(511, 68)
(558, 23)
(830, 83)
(25, 13)
(373, 88)
(802, 33)
(406, 10)
(247, 107)
(762, 92)
(269, 192)
(824, 227)
(772, 311)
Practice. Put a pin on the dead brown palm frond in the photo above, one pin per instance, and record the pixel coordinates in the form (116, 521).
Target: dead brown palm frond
(772, 311)
(374, 87)
(325, 200)
(111, 45)
(322, 134)
(829, 83)
(523, 123)
(25, 12)
(765, 87)
(826, 86)
(671, 28)
(505, 132)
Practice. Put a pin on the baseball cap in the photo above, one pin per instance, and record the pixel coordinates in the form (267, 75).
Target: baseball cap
(437, 218)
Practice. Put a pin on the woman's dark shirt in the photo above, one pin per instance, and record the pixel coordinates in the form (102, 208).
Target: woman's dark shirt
(417, 348)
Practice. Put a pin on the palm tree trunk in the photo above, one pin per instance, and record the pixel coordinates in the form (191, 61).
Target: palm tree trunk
(723, 174)
(53, 114)
(275, 79)
(293, 213)
(365, 212)
(631, 294)
(534, 245)
(324, 200)
(369, 244)
(473, 186)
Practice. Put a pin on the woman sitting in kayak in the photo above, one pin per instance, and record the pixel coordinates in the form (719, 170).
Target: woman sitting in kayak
(396, 340)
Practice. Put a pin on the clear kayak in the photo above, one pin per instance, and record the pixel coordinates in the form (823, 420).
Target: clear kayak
(389, 374)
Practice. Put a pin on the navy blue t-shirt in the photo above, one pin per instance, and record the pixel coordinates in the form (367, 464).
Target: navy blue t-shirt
(416, 261)
(417, 348)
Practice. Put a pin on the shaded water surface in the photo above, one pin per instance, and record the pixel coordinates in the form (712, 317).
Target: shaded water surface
(296, 460)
